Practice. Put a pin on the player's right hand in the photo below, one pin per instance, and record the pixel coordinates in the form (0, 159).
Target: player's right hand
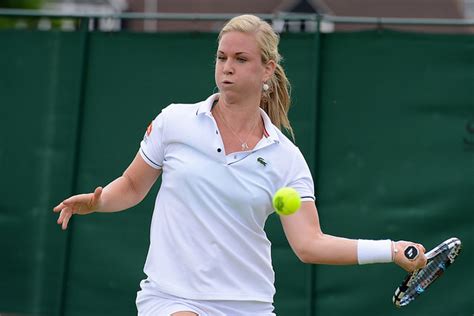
(78, 204)
(400, 259)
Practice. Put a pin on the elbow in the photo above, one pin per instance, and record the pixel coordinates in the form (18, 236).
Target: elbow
(304, 258)
(135, 195)
(308, 250)
(303, 253)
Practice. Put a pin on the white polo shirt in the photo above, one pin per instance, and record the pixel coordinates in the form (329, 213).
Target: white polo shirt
(207, 236)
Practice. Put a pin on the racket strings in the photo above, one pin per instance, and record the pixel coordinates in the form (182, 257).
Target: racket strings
(424, 277)
(439, 259)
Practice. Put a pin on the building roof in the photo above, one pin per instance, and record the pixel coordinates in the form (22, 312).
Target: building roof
(452, 9)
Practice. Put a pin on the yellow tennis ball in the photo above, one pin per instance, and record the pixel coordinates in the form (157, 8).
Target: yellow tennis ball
(286, 201)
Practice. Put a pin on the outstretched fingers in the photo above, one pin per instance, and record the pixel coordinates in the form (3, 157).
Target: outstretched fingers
(65, 221)
(64, 217)
(77, 204)
(76, 199)
(59, 207)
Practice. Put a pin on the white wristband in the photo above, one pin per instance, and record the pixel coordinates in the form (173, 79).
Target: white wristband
(374, 251)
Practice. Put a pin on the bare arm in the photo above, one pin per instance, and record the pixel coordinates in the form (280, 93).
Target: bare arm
(311, 245)
(124, 192)
(129, 189)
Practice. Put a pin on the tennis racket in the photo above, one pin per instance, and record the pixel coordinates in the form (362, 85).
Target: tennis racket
(438, 260)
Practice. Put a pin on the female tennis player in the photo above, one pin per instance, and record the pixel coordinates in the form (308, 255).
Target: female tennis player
(221, 160)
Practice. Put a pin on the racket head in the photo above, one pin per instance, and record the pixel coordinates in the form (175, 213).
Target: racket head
(438, 260)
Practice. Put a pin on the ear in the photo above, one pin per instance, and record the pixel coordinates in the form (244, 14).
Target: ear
(269, 69)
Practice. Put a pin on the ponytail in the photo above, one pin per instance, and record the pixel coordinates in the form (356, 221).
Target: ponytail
(276, 100)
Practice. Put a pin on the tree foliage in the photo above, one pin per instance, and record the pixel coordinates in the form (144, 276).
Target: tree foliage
(10, 22)
(21, 4)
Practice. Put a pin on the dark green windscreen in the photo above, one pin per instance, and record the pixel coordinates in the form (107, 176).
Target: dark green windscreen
(384, 119)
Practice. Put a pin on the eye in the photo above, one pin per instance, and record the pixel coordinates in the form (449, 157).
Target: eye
(221, 58)
(241, 60)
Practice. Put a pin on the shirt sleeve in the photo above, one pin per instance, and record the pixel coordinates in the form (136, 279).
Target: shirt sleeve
(152, 147)
(301, 179)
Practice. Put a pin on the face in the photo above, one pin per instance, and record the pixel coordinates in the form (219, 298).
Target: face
(239, 71)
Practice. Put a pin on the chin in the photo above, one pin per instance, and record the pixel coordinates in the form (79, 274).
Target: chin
(232, 96)
(228, 95)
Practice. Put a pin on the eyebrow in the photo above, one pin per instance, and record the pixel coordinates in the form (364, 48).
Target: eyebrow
(238, 53)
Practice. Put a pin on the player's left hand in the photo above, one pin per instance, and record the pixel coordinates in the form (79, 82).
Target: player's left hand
(80, 204)
(401, 259)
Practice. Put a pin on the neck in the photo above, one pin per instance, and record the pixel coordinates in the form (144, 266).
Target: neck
(241, 116)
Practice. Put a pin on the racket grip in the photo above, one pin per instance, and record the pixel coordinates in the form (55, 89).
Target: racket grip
(411, 252)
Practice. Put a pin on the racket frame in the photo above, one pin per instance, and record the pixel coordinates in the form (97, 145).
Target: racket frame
(453, 245)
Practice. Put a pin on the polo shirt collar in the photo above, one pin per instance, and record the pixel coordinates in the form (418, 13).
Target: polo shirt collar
(270, 130)
(206, 106)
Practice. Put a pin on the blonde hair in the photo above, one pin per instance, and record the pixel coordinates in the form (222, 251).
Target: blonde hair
(276, 100)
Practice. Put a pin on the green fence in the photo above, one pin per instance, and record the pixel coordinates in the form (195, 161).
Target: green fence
(385, 120)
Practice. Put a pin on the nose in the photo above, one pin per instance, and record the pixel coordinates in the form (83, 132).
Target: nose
(228, 69)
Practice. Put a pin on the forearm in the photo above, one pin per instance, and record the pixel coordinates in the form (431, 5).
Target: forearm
(119, 195)
(327, 249)
(311, 245)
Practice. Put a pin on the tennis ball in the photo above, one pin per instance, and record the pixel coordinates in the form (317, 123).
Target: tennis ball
(286, 201)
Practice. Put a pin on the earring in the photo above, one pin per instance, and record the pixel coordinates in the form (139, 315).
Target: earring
(266, 87)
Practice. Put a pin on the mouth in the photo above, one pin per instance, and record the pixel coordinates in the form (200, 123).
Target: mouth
(227, 82)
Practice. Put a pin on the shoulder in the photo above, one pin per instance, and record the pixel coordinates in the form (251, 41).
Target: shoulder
(292, 154)
(285, 143)
(182, 111)
(283, 151)
(178, 119)
(275, 135)
(284, 140)
(179, 114)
